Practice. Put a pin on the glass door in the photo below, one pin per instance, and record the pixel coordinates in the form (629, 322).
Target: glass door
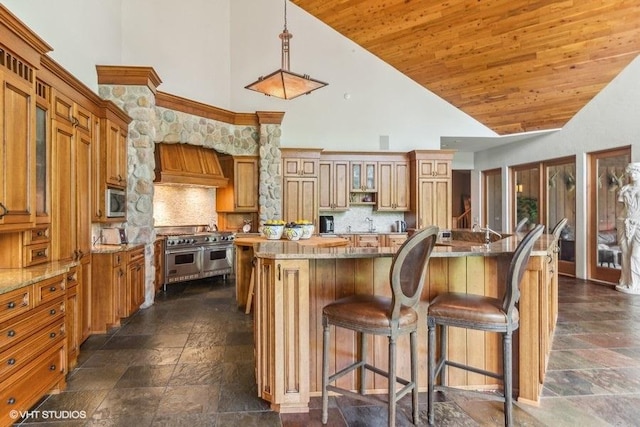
(561, 203)
(606, 177)
(492, 190)
(526, 186)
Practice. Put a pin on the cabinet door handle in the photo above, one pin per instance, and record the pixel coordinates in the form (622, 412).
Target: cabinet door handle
(99, 213)
(279, 272)
(4, 210)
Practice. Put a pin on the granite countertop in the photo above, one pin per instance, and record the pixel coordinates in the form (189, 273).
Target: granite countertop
(106, 249)
(15, 278)
(272, 249)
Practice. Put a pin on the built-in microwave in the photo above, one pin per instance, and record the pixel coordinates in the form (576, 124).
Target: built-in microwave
(116, 201)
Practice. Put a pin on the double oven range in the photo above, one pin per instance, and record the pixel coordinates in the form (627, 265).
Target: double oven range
(194, 253)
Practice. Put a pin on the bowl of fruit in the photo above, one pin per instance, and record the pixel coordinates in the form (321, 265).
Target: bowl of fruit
(293, 231)
(307, 228)
(273, 229)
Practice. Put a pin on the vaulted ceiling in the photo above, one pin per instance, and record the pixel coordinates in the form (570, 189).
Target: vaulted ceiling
(513, 65)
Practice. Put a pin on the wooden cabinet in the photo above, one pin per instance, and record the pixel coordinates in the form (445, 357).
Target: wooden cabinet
(114, 138)
(71, 160)
(241, 193)
(107, 293)
(333, 185)
(282, 360)
(17, 151)
(393, 185)
(430, 185)
(73, 318)
(109, 158)
(120, 291)
(363, 176)
(303, 162)
(395, 240)
(369, 240)
(300, 185)
(135, 280)
(158, 261)
(32, 344)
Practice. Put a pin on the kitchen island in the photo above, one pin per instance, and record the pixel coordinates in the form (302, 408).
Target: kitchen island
(294, 282)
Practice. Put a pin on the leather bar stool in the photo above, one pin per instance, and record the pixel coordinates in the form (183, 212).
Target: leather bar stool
(378, 315)
(480, 313)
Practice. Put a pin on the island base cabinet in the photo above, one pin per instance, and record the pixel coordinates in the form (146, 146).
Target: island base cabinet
(281, 331)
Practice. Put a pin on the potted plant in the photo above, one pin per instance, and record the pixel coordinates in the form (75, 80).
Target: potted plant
(527, 207)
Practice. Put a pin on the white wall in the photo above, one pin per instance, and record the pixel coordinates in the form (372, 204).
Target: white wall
(610, 120)
(82, 33)
(209, 50)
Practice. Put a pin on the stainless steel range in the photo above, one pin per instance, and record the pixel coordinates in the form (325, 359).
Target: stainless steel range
(194, 253)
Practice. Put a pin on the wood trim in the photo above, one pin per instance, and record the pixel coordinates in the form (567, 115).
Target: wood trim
(24, 35)
(270, 117)
(431, 154)
(54, 75)
(128, 75)
(174, 102)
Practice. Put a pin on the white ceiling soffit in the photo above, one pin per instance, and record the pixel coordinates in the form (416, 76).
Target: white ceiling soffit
(481, 143)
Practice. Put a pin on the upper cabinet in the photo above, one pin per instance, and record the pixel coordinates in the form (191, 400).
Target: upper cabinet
(300, 184)
(17, 151)
(364, 176)
(333, 185)
(430, 186)
(109, 154)
(241, 193)
(393, 185)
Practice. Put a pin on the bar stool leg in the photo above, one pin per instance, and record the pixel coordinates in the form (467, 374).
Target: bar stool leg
(392, 381)
(431, 362)
(363, 355)
(413, 336)
(325, 371)
(507, 367)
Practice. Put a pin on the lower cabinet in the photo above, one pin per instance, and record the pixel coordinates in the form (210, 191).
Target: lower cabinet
(117, 288)
(282, 363)
(33, 346)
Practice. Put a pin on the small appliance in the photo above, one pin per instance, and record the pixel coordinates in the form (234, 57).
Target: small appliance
(116, 203)
(400, 226)
(114, 236)
(326, 224)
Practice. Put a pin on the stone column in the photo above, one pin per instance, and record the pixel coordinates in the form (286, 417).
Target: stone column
(139, 103)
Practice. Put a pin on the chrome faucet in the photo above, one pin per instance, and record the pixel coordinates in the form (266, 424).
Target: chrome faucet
(487, 234)
(371, 227)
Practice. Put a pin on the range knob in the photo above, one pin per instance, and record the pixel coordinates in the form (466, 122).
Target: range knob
(212, 239)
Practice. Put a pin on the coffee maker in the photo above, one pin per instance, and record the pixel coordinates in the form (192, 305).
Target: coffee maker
(326, 224)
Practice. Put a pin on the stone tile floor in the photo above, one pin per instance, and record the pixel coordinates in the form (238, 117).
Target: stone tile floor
(188, 361)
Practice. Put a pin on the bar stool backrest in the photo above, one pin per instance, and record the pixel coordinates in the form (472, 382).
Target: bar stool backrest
(409, 269)
(516, 270)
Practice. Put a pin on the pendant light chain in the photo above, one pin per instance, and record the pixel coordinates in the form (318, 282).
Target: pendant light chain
(285, 37)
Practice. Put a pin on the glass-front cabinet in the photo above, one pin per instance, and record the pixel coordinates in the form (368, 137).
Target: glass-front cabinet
(42, 193)
(363, 178)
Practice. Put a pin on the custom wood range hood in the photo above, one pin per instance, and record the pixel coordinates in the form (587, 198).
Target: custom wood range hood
(187, 164)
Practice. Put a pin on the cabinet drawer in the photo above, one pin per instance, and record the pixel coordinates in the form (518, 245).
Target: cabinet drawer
(13, 332)
(36, 254)
(39, 234)
(49, 289)
(72, 278)
(23, 389)
(369, 241)
(135, 255)
(17, 356)
(15, 302)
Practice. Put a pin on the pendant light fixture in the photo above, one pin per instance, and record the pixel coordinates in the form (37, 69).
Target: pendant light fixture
(283, 83)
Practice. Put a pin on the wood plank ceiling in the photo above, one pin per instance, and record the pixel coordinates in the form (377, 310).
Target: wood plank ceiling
(513, 65)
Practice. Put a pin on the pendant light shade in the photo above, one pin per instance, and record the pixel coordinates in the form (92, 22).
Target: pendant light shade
(283, 83)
